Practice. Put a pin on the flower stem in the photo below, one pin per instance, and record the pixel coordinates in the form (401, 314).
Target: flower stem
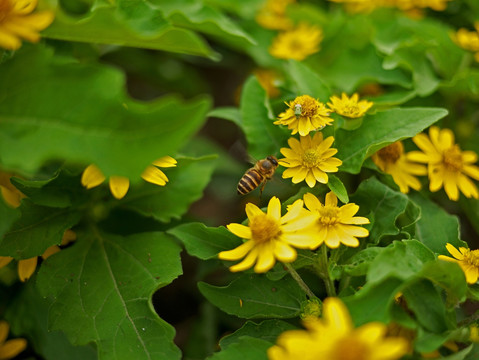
(299, 280)
(324, 272)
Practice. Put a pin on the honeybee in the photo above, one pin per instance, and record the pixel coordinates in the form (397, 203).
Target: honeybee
(262, 171)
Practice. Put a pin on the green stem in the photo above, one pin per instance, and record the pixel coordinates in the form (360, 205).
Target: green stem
(299, 280)
(324, 271)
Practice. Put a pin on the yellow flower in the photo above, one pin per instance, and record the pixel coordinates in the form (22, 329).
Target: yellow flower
(448, 166)
(10, 193)
(468, 40)
(305, 114)
(309, 159)
(119, 185)
(297, 43)
(9, 348)
(273, 15)
(268, 79)
(335, 224)
(474, 333)
(26, 267)
(270, 236)
(349, 106)
(467, 259)
(392, 160)
(333, 337)
(17, 22)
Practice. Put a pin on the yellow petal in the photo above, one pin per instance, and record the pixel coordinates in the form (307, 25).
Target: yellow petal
(4, 329)
(310, 179)
(471, 274)
(336, 315)
(284, 252)
(293, 212)
(37, 21)
(248, 262)
(238, 252)
(274, 208)
(50, 251)
(311, 202)
(9, 41)
(239, 230)
(119, 186)
(252, 211)
(355, 230)
(24, 32)
(68, 236)
(265, 259)
(454, 252)
(26, 268)
(154, 175)
(12, 348)
(24, 6)
(92, 176)
(331, 199)
(5, 260)
(165, 161)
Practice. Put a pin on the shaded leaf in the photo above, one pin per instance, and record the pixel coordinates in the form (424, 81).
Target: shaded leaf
(245, 348)
(101, 289)
(255, 296)
(205, 242)
(306, 81)
(337, 187)
(135, 134)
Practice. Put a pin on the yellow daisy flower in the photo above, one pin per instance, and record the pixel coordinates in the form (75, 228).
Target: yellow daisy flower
(26, 267)
(448, 166)
(309, 159)
(270, 236)
(305, 114)
(9, 348)
(392, 160)
(273, 15)
(334, 337)
(335, 225)
(468, 40)
(17, 22)
(297, 43)
(349, 106)
(467, 259)
(119, 185)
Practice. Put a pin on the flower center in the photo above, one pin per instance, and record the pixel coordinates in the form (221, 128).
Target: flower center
(350, 348)
(472, 257)
(328, 215)
(309, 106)
(351, 109)
(311, 158)
(391, 153)
(452, 159)
(264, 228)
(5, 8)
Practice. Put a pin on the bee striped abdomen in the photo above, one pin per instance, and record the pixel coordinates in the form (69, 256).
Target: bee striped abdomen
(249, 181)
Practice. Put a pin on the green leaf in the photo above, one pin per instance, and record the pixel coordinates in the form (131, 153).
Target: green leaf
(267, 330)
(256, 296)
(425, 301)
(228, 113)
(198, 16)
(306, 81)
(380, 130)
(401, 260)
(264, 138)
(385, 204)
(449, 276)
(91, 122)
(346, 72)
(101, 289)
(132, 23)
(186, 184)
(8, 215)
(28, 315)
(358, 264)
(246, 348)
(436, 227)
(38, 228)
(337, 187)
(205, 242)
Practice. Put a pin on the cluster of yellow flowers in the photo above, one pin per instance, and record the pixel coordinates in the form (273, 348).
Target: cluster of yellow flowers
(405, 5)
(294, 41)
(272, 237)
(468, 40)
(447, 165)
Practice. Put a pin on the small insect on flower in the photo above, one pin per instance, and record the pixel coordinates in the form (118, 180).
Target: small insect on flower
(262, 171)
(297, 110)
